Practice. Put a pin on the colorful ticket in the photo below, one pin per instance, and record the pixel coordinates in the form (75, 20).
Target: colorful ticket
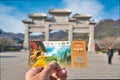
(65, 53)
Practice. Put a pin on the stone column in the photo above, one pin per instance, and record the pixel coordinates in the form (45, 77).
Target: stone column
(26, 37)
(47, 33)
(44, 35)
(70, 33)
(91, 43)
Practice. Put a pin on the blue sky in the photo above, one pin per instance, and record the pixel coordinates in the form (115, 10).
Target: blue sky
(12, 12)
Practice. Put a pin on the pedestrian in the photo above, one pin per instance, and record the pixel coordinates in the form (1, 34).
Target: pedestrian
(110, 55)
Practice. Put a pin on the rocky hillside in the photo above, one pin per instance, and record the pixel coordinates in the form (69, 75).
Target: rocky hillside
(105, 28)
(60, 35)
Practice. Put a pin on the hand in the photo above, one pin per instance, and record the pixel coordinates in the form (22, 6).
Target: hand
(50, 72)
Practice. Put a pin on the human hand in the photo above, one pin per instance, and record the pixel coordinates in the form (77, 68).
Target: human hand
(50, 72)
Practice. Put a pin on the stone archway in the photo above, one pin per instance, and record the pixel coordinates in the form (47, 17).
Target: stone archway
(78, 23)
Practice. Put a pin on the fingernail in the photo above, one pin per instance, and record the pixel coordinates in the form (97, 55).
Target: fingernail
(63, 71)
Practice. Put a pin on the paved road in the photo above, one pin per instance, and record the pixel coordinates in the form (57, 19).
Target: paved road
(13, 66)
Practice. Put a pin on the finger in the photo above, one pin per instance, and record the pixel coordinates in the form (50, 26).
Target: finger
(55, 76)
(34, 71)
(60, 73)
(64, 71)
(31, 72)
(38, 69)
(52, 78)
(49, 69)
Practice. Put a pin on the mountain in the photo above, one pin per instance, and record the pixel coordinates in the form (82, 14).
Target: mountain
(18, 37)
(105, 28)
(60, 35)
(10, 34)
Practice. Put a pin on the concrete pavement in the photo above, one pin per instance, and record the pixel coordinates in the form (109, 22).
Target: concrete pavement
(97, 68)
(13, 66)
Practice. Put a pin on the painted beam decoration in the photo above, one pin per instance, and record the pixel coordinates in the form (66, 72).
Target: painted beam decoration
(65, 53)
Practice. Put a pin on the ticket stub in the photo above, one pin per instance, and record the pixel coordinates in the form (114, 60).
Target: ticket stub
(65, 53)
(78, 54)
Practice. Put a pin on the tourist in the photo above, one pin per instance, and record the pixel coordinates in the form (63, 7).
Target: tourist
(110, 55)
(51, 72)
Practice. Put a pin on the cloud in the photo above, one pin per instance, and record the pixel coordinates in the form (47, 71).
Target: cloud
(11, 19)
(92, 7)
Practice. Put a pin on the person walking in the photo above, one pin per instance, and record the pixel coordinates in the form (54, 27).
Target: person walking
(110, 55)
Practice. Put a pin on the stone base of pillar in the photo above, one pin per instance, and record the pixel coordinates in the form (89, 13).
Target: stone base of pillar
(25, 45)
(91, 48)
(92, 52)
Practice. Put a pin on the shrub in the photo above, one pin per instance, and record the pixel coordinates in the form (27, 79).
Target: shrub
(103, 51)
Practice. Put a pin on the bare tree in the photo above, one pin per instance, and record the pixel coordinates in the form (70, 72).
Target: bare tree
(117, 43)
(6, 42)
(109, 41)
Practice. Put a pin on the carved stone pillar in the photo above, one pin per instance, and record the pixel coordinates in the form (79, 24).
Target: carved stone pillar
(91, 43)
(47, 33)
(70, 34)
(26, 37)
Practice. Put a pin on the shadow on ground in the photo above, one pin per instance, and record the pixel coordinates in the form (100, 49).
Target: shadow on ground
(8, 56)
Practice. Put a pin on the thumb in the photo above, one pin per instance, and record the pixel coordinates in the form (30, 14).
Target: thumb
(47, 71)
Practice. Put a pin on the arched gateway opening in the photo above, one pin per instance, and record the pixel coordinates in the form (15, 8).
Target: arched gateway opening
(59, 20)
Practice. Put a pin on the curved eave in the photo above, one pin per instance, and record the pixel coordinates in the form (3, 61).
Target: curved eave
(37, 16)
(27, 21)
(59, 12)
(79, 17)
(92, 23)
(52, 13)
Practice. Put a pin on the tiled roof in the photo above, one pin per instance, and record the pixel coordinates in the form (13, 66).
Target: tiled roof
(59, 11)
(82, 15)
(37, 15)
(27, 21)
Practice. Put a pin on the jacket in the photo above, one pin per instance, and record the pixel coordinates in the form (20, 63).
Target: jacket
(110, 52)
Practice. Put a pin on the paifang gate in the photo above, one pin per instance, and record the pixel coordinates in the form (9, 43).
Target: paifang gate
(59, 20)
